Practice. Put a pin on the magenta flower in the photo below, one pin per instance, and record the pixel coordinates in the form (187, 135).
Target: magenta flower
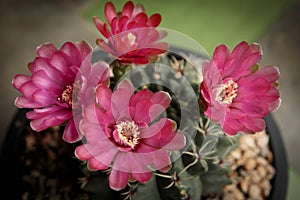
(236, 94)
(120, 133)
(57, 81)
(133, 37)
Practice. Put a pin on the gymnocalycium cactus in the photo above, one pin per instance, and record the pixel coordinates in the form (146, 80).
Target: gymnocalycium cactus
(155, 121)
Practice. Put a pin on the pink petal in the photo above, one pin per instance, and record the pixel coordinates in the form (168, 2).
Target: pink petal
(121, 44)
(155, 111)
(244, 68)
(159, 48)
(126, 85)
(37, 113)
(162, 98)
(142, 177)
(60, 62)
(19, 80)
(136, 60)
(128, 8)
(235, 59)
(44, 97)
(141, 95)
(269, 73)
(114, 26)
(154, 20)
(152, 36)
(254, 124)
(94, 164)
(141, 18)
(147, 52)
(221, 56)
(232, 124)
(157, 158)
(93, 131)
(163, 137)
(87, 151)
(46, 50)
(106, 47)
(92, 127)
(71, 134)
(120, 105)
(205, 95)
(252, 89)
(84, 48)
(162, 161)
(242, 59)
(239, 49)
(212, 75)
(142, 112)
(154, 129)
(43, 81)
(42, 64)
(229, 130)
(236, 113)
(50, 120)
(123, 21)
(72, 52)
(120, 100)
(252, 108)
(273, 106)
(138, 9)
(110, 12)
(271, 96)
(103, 97)
(250, 60)
(83, 152)
(27, 89)
(90, 113)
(118, 180)
(177, 142)
(132, 25)
(130, 162)
(217, 112)
(23, 102)
(102, 27)
(107, 154)
(146, 150)
(92, 151)
(149, 106)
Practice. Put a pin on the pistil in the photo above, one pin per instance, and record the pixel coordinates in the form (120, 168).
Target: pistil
(128, 133)
(227, 92)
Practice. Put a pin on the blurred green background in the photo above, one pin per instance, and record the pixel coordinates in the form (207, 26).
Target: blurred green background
(209, 22)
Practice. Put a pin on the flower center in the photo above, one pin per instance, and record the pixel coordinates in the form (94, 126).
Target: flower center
(128, 133)
(131, 39)
(67, 95)
(227, 92)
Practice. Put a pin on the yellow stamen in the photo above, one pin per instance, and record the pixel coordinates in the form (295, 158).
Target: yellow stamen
(227, 92)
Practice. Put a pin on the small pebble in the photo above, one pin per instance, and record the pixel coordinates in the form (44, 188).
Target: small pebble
(251, 169)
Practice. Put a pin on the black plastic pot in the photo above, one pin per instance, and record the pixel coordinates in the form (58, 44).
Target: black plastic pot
(280, 181)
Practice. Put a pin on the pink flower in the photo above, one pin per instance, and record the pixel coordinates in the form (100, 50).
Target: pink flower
(120, 133)
(133, 36)
(57, 81)
(236, 94)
